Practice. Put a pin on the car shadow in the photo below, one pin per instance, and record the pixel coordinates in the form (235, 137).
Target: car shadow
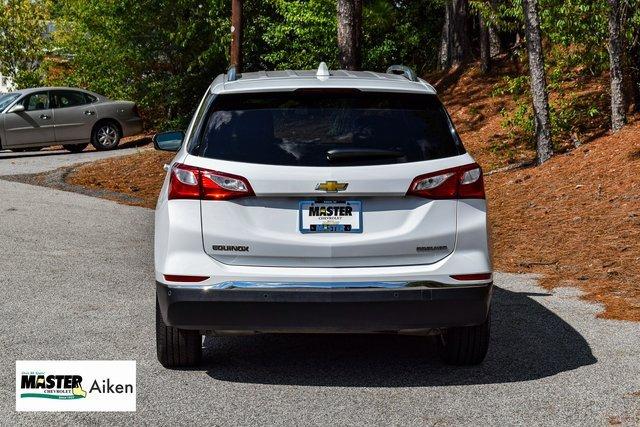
(6, 154)
(528, 342)
(9, 155)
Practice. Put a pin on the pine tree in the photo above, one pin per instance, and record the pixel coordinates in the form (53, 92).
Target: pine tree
(350, 33)
(618, 114)
(544, 149)
(455, 45)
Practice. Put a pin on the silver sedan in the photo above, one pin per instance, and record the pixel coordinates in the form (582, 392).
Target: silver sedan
(73, 118)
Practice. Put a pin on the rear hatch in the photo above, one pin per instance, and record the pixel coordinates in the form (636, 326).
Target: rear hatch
(320, 179)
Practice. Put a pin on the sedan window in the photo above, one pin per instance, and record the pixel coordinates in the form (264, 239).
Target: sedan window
(68, 98)
(7, 99)
(36, 101)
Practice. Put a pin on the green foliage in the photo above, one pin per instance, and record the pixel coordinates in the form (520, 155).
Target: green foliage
(578, 24)
(402, 32)
(515, 86)
(162, 54)
(568, 113)
(301, 34)
(298, 34)
(23, 40)
(519, 122)
(575, 35)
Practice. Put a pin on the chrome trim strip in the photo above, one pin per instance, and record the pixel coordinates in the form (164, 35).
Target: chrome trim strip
(326, 285)
(304, 285)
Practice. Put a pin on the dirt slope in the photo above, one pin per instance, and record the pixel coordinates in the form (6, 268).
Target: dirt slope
(576, 219)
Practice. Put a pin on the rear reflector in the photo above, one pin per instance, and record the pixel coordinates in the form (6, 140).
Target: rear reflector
(180, 278)
(191, 182)
(477, 276)
(462, 182)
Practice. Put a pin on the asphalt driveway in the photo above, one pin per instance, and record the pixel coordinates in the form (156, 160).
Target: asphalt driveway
(76, 274)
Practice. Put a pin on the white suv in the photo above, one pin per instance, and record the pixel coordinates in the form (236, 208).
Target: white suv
(315, 202)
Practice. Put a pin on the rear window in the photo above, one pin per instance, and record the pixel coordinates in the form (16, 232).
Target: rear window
(324, 128)
(68, 98)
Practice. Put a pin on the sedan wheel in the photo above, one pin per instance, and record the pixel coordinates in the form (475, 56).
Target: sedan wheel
(106, 137)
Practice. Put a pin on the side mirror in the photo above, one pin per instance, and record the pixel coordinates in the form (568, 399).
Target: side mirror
(18, 108)
(168, 141)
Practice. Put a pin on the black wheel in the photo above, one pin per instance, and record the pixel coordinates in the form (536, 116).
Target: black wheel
(75, 148)
(105, 136)
(176, 347)
(465, 345)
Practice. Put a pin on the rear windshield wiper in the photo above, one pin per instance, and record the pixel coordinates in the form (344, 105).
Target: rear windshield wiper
(341, 154)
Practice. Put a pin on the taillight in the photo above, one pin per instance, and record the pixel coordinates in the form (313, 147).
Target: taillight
(190, 182)
(184, 182)
(219, 186)
(462, 182)
(135, 110)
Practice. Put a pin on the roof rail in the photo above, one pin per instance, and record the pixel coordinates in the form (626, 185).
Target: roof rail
(403, 70)
(232, 75)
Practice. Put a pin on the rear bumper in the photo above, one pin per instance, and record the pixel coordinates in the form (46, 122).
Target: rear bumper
(305, 309)
(132, 126)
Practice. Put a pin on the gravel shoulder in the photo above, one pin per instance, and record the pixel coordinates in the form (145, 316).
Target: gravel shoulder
(77, 279)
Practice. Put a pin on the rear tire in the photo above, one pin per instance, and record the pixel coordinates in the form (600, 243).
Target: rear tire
(106, 135)
(465, 346)
(75, 148)
(176, 348)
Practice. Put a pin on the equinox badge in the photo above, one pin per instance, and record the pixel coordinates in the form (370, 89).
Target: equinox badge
(332, 186)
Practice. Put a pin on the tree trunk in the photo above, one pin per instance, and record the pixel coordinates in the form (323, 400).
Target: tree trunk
(236, 35)
(350, 33)
(444, 53)
(455, 46)
(494, 40)
(544, 149)
(485, 46)
(634, 58)
(618, 114)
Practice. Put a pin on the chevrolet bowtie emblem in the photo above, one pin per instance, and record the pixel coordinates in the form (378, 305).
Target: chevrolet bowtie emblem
(332, 186)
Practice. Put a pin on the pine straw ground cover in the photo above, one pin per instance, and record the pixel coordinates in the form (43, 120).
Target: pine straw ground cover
(576, 220)
(140, 175)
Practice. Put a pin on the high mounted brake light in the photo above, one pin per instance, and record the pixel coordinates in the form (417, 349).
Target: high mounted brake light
(191, 182)
(462, 182)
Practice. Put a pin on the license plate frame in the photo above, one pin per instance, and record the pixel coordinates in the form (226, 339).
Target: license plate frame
(326, 226)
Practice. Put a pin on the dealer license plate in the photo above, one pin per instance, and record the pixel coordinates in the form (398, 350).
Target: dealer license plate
(331, 217)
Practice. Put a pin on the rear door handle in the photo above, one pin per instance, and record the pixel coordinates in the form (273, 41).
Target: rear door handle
(89, 113)
(44, 117)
